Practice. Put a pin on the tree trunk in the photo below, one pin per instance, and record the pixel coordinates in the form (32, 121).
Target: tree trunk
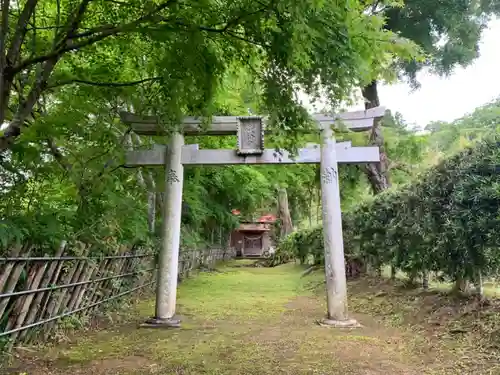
(147, 182)
(412, 276)
(377, 173)
(461, 285)
(393, 273)
(425, 280)
(478, 284)
(151, 211)
(284, 213)
(311, 200)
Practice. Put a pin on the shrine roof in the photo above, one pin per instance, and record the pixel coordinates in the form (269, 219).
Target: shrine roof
(269, 218)
(254, 227)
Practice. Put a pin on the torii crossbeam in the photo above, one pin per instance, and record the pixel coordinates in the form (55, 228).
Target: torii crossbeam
(250, 131)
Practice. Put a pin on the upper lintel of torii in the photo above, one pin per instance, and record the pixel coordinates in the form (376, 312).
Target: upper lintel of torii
(228, 125)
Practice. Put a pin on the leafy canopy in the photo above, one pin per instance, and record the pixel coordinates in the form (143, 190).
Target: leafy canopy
(180, 52)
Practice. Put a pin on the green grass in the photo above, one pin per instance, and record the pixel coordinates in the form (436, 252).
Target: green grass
(248, 320)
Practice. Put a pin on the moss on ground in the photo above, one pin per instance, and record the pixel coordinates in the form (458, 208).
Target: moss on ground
(248, 320)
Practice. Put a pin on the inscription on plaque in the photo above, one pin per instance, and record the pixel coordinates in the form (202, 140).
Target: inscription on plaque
(250, 136)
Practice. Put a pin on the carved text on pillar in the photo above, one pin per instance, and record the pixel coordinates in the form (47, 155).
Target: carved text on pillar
(329, 270)
(329, 175)
(172, 177)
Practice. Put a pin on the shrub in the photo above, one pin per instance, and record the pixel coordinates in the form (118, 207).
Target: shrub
(447, 220)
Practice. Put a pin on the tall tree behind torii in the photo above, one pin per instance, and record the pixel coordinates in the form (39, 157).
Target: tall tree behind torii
(286, 225)
(428, 24)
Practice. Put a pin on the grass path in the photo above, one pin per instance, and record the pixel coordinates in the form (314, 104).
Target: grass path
(261, 321)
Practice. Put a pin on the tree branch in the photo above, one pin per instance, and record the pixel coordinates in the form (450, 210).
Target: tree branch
(115, 169)
(130, 147)
(374, 6)
(56, 153)
(246, 40)
(58, 20)
(14, 128)
(4, 83)
(149, 176)
(4, 30)
(103, 32)
(234, 22)
(244, 15)
(21, 29)
(74, 24)
(102, 84)
(123, 3)
(92, 31)
(110, 162)
(26, 107)
(59, 52)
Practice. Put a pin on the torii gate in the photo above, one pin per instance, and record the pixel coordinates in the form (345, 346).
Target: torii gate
(250, 132)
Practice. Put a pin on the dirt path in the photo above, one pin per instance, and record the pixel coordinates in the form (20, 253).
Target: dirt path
(251, 321)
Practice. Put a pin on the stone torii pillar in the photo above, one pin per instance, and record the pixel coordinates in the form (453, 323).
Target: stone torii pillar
(336, 281)
(250, 131)
(168, 260)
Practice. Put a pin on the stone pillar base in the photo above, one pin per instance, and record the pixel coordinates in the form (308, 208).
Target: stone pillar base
(349, 323)
(161, 323)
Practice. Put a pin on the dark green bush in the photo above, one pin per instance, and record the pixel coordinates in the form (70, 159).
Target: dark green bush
(446, 221)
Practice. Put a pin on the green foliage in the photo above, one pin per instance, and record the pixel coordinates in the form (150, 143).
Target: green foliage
(445, 221)
(73, 66)
(448, 32)
(172, 57)
(305, 245)
(450, 137)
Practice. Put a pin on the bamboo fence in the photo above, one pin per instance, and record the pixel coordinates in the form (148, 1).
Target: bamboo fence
(37, 293)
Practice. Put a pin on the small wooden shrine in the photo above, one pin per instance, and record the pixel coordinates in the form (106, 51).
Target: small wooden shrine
(254, 239)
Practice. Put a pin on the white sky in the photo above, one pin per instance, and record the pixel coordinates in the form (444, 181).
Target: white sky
(449, 98)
